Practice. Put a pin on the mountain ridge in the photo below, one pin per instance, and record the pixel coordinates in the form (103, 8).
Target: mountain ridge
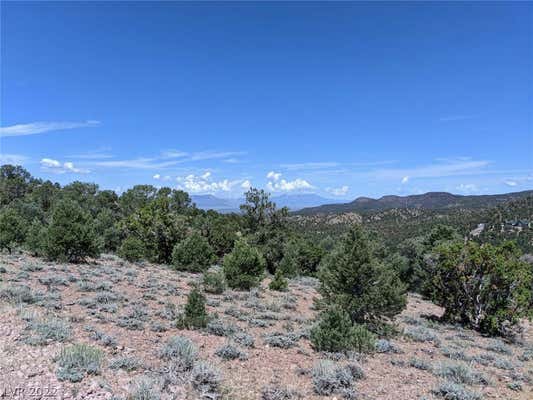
(429, 200)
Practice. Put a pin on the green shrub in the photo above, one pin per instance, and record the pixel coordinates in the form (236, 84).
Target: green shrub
(193, 254)
(195, 314)
(300, 257)
(279, 282)
(78, 360)
(486, 288)
(36, 238)
(12, 229)
(70, 235)
(244, 266)
(132, 249)
(214, 281)
(352, 278)
(335, 332)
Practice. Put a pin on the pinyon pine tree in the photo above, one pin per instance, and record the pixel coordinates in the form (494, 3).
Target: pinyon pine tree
(353, 279)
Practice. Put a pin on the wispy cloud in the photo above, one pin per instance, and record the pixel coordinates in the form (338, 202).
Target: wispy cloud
(98, 154)
(36, 128)
(440, 169)
(57, 167)
(309, 165)
(15, 159)
(340, 191)
(167, 159)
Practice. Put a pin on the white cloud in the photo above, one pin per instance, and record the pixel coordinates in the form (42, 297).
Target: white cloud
(204, 184)
(274, 175)
(157, 177)
(14, 159)
(510, 182)
(467, 188)
(35, 128)
(289, 186)
(57, 167)
(246, 184)
(340, 191)
(405, 179)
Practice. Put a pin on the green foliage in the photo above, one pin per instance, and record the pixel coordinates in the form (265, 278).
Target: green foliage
(70, 235)
(279, 282)
(107, 230)
(352, 278)
(195, 315)
(193, 254)
(132, 249)
(12, 229)
(158, 226)
(487, 288)
(36, 238)
(214, 281)
(244, 266)
(14, 183)
(301, 257)
(335, 332)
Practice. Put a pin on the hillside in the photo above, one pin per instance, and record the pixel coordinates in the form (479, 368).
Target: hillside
(428, 201)
(126, 313)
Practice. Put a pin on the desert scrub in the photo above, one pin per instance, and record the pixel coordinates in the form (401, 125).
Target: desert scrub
(220, 328)
(454, 391)
(244, 339)
(419, 364)
(329, 379)
(214, 281)
(144, 389)
(274, 392)
(180, 349)
(126, 363)
(421, 334)
(281, 340)
(47, 330)
(20, 294)
(386, 346)
(229, 351)
(77, 361)
(195, 314)
(460, 373)
(206, 379)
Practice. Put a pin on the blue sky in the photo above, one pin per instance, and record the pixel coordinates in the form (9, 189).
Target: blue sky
(340, 99)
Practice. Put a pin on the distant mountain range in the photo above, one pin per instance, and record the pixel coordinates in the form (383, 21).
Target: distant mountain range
(429, 201)
(294, 202)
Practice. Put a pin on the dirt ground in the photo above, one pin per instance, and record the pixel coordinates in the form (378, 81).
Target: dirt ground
(132, 307)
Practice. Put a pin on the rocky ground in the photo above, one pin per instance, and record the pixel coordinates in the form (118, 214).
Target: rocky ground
(257, 341)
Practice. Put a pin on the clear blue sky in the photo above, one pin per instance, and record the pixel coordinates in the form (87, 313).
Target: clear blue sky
(341, 99)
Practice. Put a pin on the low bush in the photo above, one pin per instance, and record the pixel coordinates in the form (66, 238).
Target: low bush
(206, 379)
(195, 315)
(454, 391)
(214, 281)
(279, 283)
(77, 361)
(230, 352)
(181, 350)
(335, 332)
